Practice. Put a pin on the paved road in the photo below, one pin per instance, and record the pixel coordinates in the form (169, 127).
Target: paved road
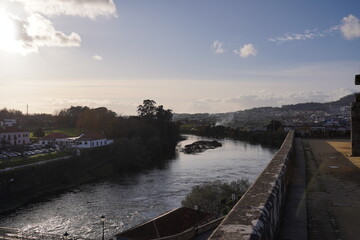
(333, 195)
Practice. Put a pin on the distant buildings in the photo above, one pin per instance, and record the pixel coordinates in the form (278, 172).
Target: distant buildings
(11, 134)
(92, 140)
(87, 140)
(52, 139)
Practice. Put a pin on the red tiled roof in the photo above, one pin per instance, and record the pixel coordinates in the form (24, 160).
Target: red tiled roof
(56, 135)
(12, 130)
(91, 136)
(170, 223)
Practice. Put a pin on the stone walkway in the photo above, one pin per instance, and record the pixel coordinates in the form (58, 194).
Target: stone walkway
(333, 190)
(294, 221)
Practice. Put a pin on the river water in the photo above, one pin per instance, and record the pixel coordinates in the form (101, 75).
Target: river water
(127, 200)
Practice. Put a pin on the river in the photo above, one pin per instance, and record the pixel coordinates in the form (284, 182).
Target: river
(127, 200)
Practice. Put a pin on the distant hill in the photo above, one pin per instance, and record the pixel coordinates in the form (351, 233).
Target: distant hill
(258, 117)
(312, 106)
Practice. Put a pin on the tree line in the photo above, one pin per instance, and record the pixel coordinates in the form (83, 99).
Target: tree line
(270, 138)
(151, 135)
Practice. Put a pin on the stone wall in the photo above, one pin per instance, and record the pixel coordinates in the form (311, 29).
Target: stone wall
(355, 122)
(257, 214)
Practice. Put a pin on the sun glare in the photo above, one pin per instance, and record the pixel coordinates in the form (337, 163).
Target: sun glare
(7, 34)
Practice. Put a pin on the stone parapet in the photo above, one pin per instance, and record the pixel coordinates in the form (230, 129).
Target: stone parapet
(257, 214)
(355, 128)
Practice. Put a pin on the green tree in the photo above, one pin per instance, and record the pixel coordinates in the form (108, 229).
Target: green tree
(147, 110)
(39, 133)
(216, 197)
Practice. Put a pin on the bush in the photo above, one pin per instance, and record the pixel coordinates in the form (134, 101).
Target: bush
(216, 197)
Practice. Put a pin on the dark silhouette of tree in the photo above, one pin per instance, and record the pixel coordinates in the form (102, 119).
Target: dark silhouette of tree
(274, 126)
(10, 113)
(147, 110)
(69, 117)
(97, 119)
(39, 133)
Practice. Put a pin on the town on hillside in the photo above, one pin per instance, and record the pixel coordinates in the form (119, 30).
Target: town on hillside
(308, 119)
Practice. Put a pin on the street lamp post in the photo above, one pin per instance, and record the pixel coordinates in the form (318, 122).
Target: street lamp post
(103, 225)
(196, 208)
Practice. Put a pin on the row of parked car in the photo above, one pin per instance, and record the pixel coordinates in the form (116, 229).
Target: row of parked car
(39, 151)
(5, 155)
(29, 151)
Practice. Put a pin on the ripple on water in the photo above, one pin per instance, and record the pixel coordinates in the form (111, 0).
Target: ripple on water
(129, 200)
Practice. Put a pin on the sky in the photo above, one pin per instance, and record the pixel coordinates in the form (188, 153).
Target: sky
(192, 56)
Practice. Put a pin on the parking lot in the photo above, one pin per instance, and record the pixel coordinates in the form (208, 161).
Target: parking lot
(30, 150)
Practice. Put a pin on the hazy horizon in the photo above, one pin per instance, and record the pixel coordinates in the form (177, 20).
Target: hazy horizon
(201, 56)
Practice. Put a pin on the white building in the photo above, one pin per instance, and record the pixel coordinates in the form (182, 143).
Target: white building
(60, 139)
(8, 123)
(13, 136)
(91, 140)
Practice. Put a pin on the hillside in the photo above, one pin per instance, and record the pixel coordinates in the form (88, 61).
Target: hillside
(312, 106)
(288, 114)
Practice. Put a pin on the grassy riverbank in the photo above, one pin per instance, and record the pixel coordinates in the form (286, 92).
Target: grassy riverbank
(19, 161)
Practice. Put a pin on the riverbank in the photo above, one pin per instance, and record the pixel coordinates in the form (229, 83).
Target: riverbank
(21, 184)
(26, 184)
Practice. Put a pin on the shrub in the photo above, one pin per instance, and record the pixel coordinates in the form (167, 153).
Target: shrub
(216, 197)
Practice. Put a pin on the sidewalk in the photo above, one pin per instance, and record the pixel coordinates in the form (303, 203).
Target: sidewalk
(294, 219)
(333, 190)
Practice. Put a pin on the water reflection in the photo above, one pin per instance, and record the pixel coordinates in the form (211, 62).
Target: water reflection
(131, 199)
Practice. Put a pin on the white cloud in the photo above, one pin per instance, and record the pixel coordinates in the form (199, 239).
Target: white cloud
(306, 35)
(82, 8)
(246, 51)
(350, 27)
(25, 36)
(97, 57)
(217, 47)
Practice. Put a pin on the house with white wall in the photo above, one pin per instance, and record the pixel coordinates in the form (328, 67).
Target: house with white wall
(60, 139)
(14, 136)
(92, 140)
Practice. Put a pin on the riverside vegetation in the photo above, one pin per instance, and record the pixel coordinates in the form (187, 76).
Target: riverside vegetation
(141, 141)
(272, 139)
(216, 197)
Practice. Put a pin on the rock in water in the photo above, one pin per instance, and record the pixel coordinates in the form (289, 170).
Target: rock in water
(200, 146)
